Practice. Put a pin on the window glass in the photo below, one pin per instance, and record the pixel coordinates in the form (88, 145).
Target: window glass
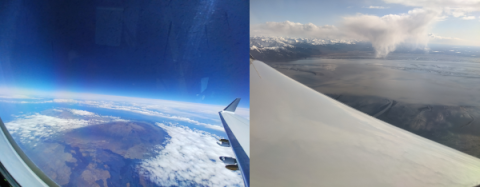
(124, 93)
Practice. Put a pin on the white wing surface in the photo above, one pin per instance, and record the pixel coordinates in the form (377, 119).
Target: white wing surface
(304, 138)
(238, 132)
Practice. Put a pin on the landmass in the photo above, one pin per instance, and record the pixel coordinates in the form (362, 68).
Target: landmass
(98, 155)
(455, 126)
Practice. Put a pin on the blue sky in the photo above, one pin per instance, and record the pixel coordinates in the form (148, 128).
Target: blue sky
(316, 12)
(149, 49)
(455, 22)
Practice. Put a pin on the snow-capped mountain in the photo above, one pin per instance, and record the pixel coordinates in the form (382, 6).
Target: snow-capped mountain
(285, 48)
(262, 43)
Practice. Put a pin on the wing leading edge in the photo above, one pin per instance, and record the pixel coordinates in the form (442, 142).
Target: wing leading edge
(238, 132)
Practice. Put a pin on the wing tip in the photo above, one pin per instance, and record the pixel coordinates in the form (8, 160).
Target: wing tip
(232, 106)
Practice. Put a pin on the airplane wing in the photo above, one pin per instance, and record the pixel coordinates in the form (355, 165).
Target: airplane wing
(304, 138)
(238, 132)
(16, 167)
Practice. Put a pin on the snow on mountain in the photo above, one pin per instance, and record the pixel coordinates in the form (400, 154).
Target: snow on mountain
(264, 43)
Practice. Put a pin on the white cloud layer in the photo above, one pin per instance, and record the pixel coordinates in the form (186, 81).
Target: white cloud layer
(293, 29)
(145, 109)
(165, 105)
(468, 4)
(15, 97)
(181, 111)
(436, 37)
(33, 128)
(81, 112)
(455, 8)
(468, 17)
(377, 7)
(385, 33)
(190, 157)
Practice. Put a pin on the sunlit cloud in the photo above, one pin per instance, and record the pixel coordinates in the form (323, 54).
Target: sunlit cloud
(192, 113)
(33, 128)
(190, 157)
(81, 112)
(292, 29)
(377, 7)
(455, 8)
(387, 32)
(468, 17)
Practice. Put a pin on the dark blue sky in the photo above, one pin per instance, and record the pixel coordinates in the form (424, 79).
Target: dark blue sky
(140, 48)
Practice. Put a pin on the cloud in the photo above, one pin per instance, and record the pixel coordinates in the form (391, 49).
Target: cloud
(81, 112)
(377, 7)
(190, 157)
(15, 97)
(445, 40)
(475, 4)
(33, 128)
(65, 101)
(456, 12)
(175, 110)
(436, 37)
(144, 109)
(387, 32)
(468, 17)
(455, 8)
(167, 106)
(293, 29)
(162, 115)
